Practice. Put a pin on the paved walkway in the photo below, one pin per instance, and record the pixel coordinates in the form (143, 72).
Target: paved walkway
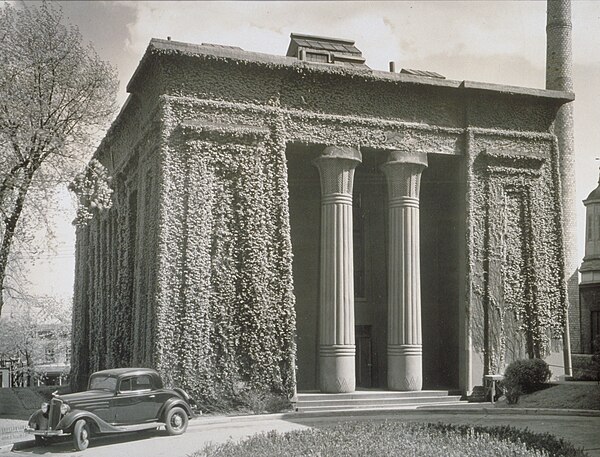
(582, 431)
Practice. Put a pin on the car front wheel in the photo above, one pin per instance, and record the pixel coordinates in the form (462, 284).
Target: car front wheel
(41, 441)
(81, 435)
(176, 421)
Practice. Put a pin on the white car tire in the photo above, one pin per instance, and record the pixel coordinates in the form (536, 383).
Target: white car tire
(176, 421)
(81, 435)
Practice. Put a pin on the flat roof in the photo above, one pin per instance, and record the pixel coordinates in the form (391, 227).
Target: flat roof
(157, 45)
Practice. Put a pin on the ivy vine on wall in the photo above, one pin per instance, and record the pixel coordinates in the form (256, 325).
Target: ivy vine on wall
(225, 308)
(93, 190)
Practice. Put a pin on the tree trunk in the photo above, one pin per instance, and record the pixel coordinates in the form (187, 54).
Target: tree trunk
(10, 225)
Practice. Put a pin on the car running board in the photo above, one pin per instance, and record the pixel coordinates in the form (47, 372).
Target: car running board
(138, 427)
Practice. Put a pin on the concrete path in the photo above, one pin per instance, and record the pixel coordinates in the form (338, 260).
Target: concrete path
(581, 431)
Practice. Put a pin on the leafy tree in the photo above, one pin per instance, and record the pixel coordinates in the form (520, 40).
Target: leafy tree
(30, 331)
(56, 94)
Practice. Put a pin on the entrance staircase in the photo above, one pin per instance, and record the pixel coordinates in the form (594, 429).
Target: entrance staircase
(374, 400)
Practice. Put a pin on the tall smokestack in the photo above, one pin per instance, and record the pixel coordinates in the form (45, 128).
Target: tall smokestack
(559, 76)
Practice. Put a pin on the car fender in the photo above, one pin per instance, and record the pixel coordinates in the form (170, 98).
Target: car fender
(183, 394)
(38, 421)
(173, 402)
(99, 425)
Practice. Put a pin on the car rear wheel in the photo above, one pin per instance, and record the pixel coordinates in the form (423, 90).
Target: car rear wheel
(176, 421)
(81, 435)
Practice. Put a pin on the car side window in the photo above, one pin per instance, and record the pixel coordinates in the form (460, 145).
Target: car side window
(141, 383)
(125, 385)
(136, 383)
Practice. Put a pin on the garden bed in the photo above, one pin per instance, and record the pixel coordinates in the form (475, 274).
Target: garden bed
(392, 438)
(563, 396)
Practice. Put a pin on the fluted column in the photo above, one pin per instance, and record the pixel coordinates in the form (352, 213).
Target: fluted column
(403, 176)
(336, 319)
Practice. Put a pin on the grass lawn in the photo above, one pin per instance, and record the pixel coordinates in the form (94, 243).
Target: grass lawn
(562, 396)
(395, 438)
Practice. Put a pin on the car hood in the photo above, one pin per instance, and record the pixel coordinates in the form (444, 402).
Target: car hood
(86, 396)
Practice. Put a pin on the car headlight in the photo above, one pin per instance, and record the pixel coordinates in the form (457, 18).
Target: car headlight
(64, 408)
(44, 407)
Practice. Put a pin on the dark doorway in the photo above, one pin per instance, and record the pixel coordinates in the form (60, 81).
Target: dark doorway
(364, 358)
(442, 226)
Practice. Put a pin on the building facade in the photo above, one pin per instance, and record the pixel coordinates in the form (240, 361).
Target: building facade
(589, 287)
(305, 222)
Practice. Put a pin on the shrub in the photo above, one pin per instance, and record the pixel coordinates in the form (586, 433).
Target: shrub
(242, 399)
(523, 377)
(263, 401)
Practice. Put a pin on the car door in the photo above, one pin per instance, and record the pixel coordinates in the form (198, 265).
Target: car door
(136, 401)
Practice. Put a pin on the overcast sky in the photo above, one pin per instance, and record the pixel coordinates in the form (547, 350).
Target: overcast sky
(490, 41)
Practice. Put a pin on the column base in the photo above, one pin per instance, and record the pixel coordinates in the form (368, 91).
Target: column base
(337, 369)
(405, 367)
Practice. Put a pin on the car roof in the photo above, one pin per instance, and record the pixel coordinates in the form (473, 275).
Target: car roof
(120, 372)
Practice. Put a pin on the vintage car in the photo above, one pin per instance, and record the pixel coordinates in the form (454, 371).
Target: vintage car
(118, 400)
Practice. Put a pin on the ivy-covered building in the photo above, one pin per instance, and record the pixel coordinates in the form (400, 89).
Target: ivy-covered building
(305, 222)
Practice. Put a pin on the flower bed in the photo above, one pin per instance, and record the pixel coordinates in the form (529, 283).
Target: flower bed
(391, 438)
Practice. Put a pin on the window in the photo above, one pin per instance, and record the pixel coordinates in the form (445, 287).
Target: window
(103, 383)
(50, 353)
(317, 57)
(137, 383)
(141, 383)
(125, 385)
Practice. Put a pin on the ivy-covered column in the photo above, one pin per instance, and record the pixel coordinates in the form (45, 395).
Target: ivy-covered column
(403, 175)
(336, 320)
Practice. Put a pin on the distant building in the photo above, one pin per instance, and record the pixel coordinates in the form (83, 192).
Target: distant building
(41, 357)
(54, 363)
(589, 286)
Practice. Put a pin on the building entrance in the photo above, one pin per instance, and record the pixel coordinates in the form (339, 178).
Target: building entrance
(441, 228)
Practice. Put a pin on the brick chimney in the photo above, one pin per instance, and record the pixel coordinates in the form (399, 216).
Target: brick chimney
(559, 76)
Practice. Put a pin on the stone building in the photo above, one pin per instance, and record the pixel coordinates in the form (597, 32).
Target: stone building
(305, 222)
(589, 287)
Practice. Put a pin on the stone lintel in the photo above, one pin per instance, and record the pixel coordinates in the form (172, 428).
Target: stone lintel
(235, 133)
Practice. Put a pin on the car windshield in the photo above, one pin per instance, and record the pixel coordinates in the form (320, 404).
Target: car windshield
(103, 383)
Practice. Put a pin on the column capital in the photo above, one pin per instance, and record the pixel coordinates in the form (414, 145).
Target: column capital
(336, 167)
(403, 175)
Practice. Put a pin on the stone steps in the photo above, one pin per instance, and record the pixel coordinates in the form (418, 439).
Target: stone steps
(373, 400)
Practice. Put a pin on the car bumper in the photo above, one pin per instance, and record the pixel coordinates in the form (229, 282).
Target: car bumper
(45, 433)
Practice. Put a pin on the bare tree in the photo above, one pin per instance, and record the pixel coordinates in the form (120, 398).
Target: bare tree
(56, 94)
